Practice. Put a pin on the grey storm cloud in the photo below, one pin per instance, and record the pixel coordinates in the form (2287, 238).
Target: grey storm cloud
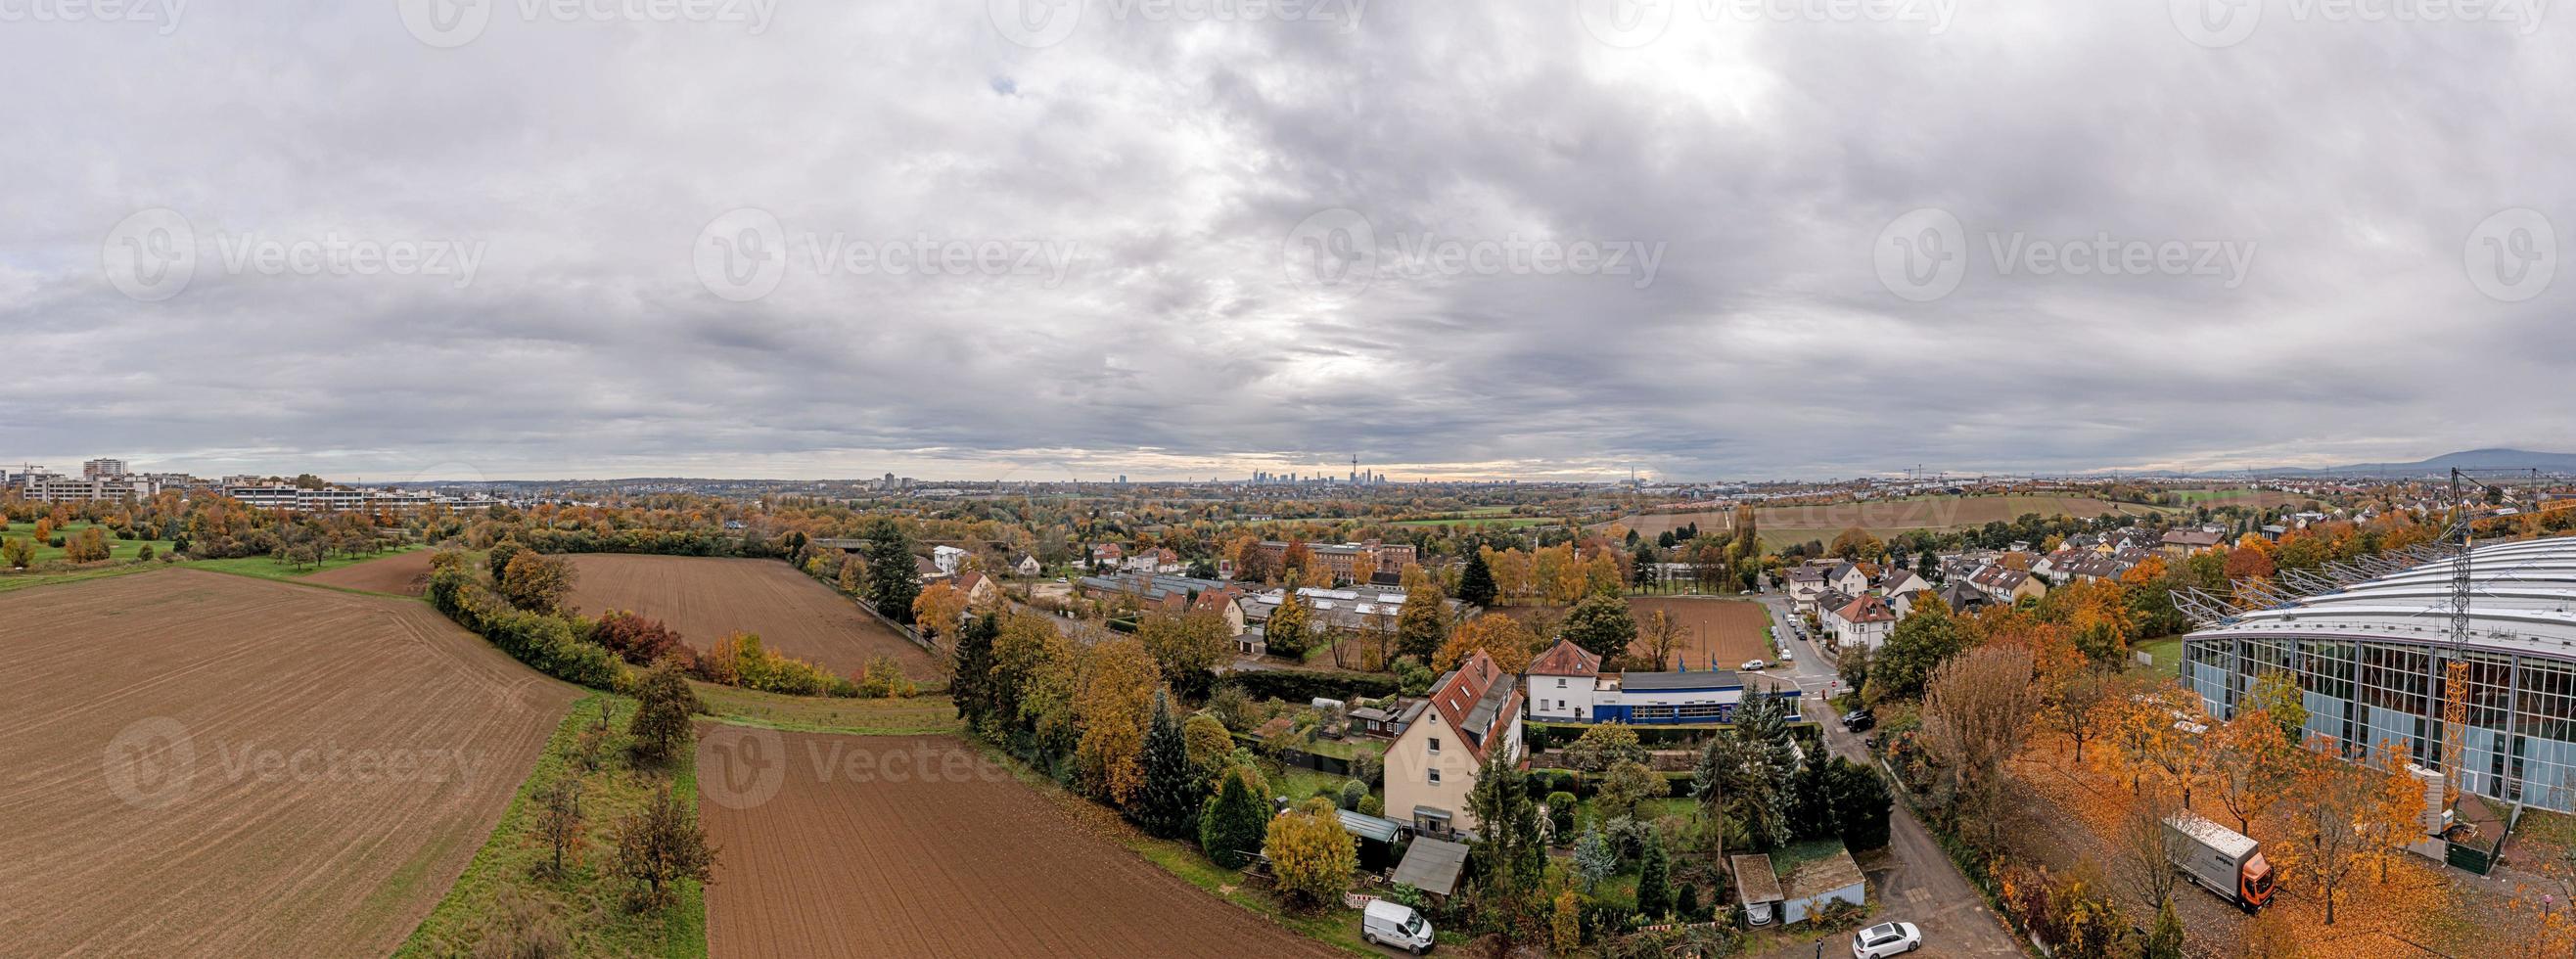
(829, 239)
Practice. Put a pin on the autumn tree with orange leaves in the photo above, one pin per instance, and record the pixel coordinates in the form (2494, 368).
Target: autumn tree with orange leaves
(2253, 767)
(1511, 644)
(2345, 816)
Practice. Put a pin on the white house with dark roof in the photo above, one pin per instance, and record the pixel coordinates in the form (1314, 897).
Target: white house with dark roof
(1562, 684)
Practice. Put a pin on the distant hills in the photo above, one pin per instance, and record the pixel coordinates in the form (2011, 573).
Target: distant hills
(2486, 459)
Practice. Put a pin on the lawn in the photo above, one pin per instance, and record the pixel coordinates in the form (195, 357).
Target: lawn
(116, 548)
(30, 581)
(586, 906)
(270, 567)
(2168, 655)
(913, 716)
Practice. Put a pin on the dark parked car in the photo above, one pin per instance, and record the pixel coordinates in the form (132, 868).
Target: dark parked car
(1858, 720)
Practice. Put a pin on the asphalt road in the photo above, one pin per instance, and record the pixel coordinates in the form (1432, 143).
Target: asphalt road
(1922, 887)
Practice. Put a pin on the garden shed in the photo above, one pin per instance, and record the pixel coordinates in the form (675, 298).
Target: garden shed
(1432, 865)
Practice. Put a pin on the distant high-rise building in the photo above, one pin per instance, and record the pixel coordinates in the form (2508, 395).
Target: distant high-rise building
(102, 469)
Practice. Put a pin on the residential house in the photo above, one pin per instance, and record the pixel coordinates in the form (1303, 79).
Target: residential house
(2005, 585)
(1897, 581)
(2184, 542)
(1028, 567)
(949, 559)
(1474, 714)
(980, 590)
(1806, 583)
(1562, 682)
(1849, 577)
(1863, 623)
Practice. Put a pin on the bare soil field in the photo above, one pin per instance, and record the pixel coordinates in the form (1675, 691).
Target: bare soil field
(1716, 633)
(707, 597)
(405, 574)
(204, 764)
(859, 853)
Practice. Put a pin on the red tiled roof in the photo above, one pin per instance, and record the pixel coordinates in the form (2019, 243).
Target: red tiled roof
(1566, 659)
(1465, 687)
(1867, 609)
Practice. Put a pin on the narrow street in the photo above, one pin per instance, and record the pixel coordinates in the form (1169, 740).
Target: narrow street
(1922, 887)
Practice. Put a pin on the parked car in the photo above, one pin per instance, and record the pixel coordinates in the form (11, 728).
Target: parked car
(1788, 656)
(1753, 665)
(1859, 720)
(1396, 925)
(1886, 939)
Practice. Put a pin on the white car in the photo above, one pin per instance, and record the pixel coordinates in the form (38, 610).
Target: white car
(1886, 939)
(1753, 665)
(1397, 926)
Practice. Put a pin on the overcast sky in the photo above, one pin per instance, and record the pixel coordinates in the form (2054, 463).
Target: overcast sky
(949, 238)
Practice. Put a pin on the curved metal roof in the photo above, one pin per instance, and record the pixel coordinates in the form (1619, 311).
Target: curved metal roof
(2523, 600)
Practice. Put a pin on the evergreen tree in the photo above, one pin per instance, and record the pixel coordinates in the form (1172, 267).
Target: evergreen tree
(1811, 802)
(892, 581)
(1476, 585)
(1594, 858)
(2165, 940)
(1509, 839)
(1173, 787)
(1861, 805)
(1234, 822)
(1654, 892)
(971, 667)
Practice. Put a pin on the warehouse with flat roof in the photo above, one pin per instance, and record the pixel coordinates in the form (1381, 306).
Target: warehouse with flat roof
(2370, 659)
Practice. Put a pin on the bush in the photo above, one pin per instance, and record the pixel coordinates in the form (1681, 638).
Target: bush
(634, 638)
(1372, 806)
(664, 704)
(1352, 792)
(1311, 855)
(1303, 686)
(552, 644)
(1560, 815)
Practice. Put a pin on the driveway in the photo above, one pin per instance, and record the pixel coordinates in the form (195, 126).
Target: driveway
(1915, 882)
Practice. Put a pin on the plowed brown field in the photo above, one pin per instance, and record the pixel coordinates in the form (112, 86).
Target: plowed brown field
(969, 864)
(707, 597)
(1716, 633)
(203, 764)
(405, 574)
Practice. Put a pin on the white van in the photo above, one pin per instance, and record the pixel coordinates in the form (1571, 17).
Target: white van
(1393, 924)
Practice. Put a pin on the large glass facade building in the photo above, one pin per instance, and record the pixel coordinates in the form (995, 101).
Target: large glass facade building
(2371, 660)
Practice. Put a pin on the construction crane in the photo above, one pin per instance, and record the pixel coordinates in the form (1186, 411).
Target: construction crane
(2455, 685)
